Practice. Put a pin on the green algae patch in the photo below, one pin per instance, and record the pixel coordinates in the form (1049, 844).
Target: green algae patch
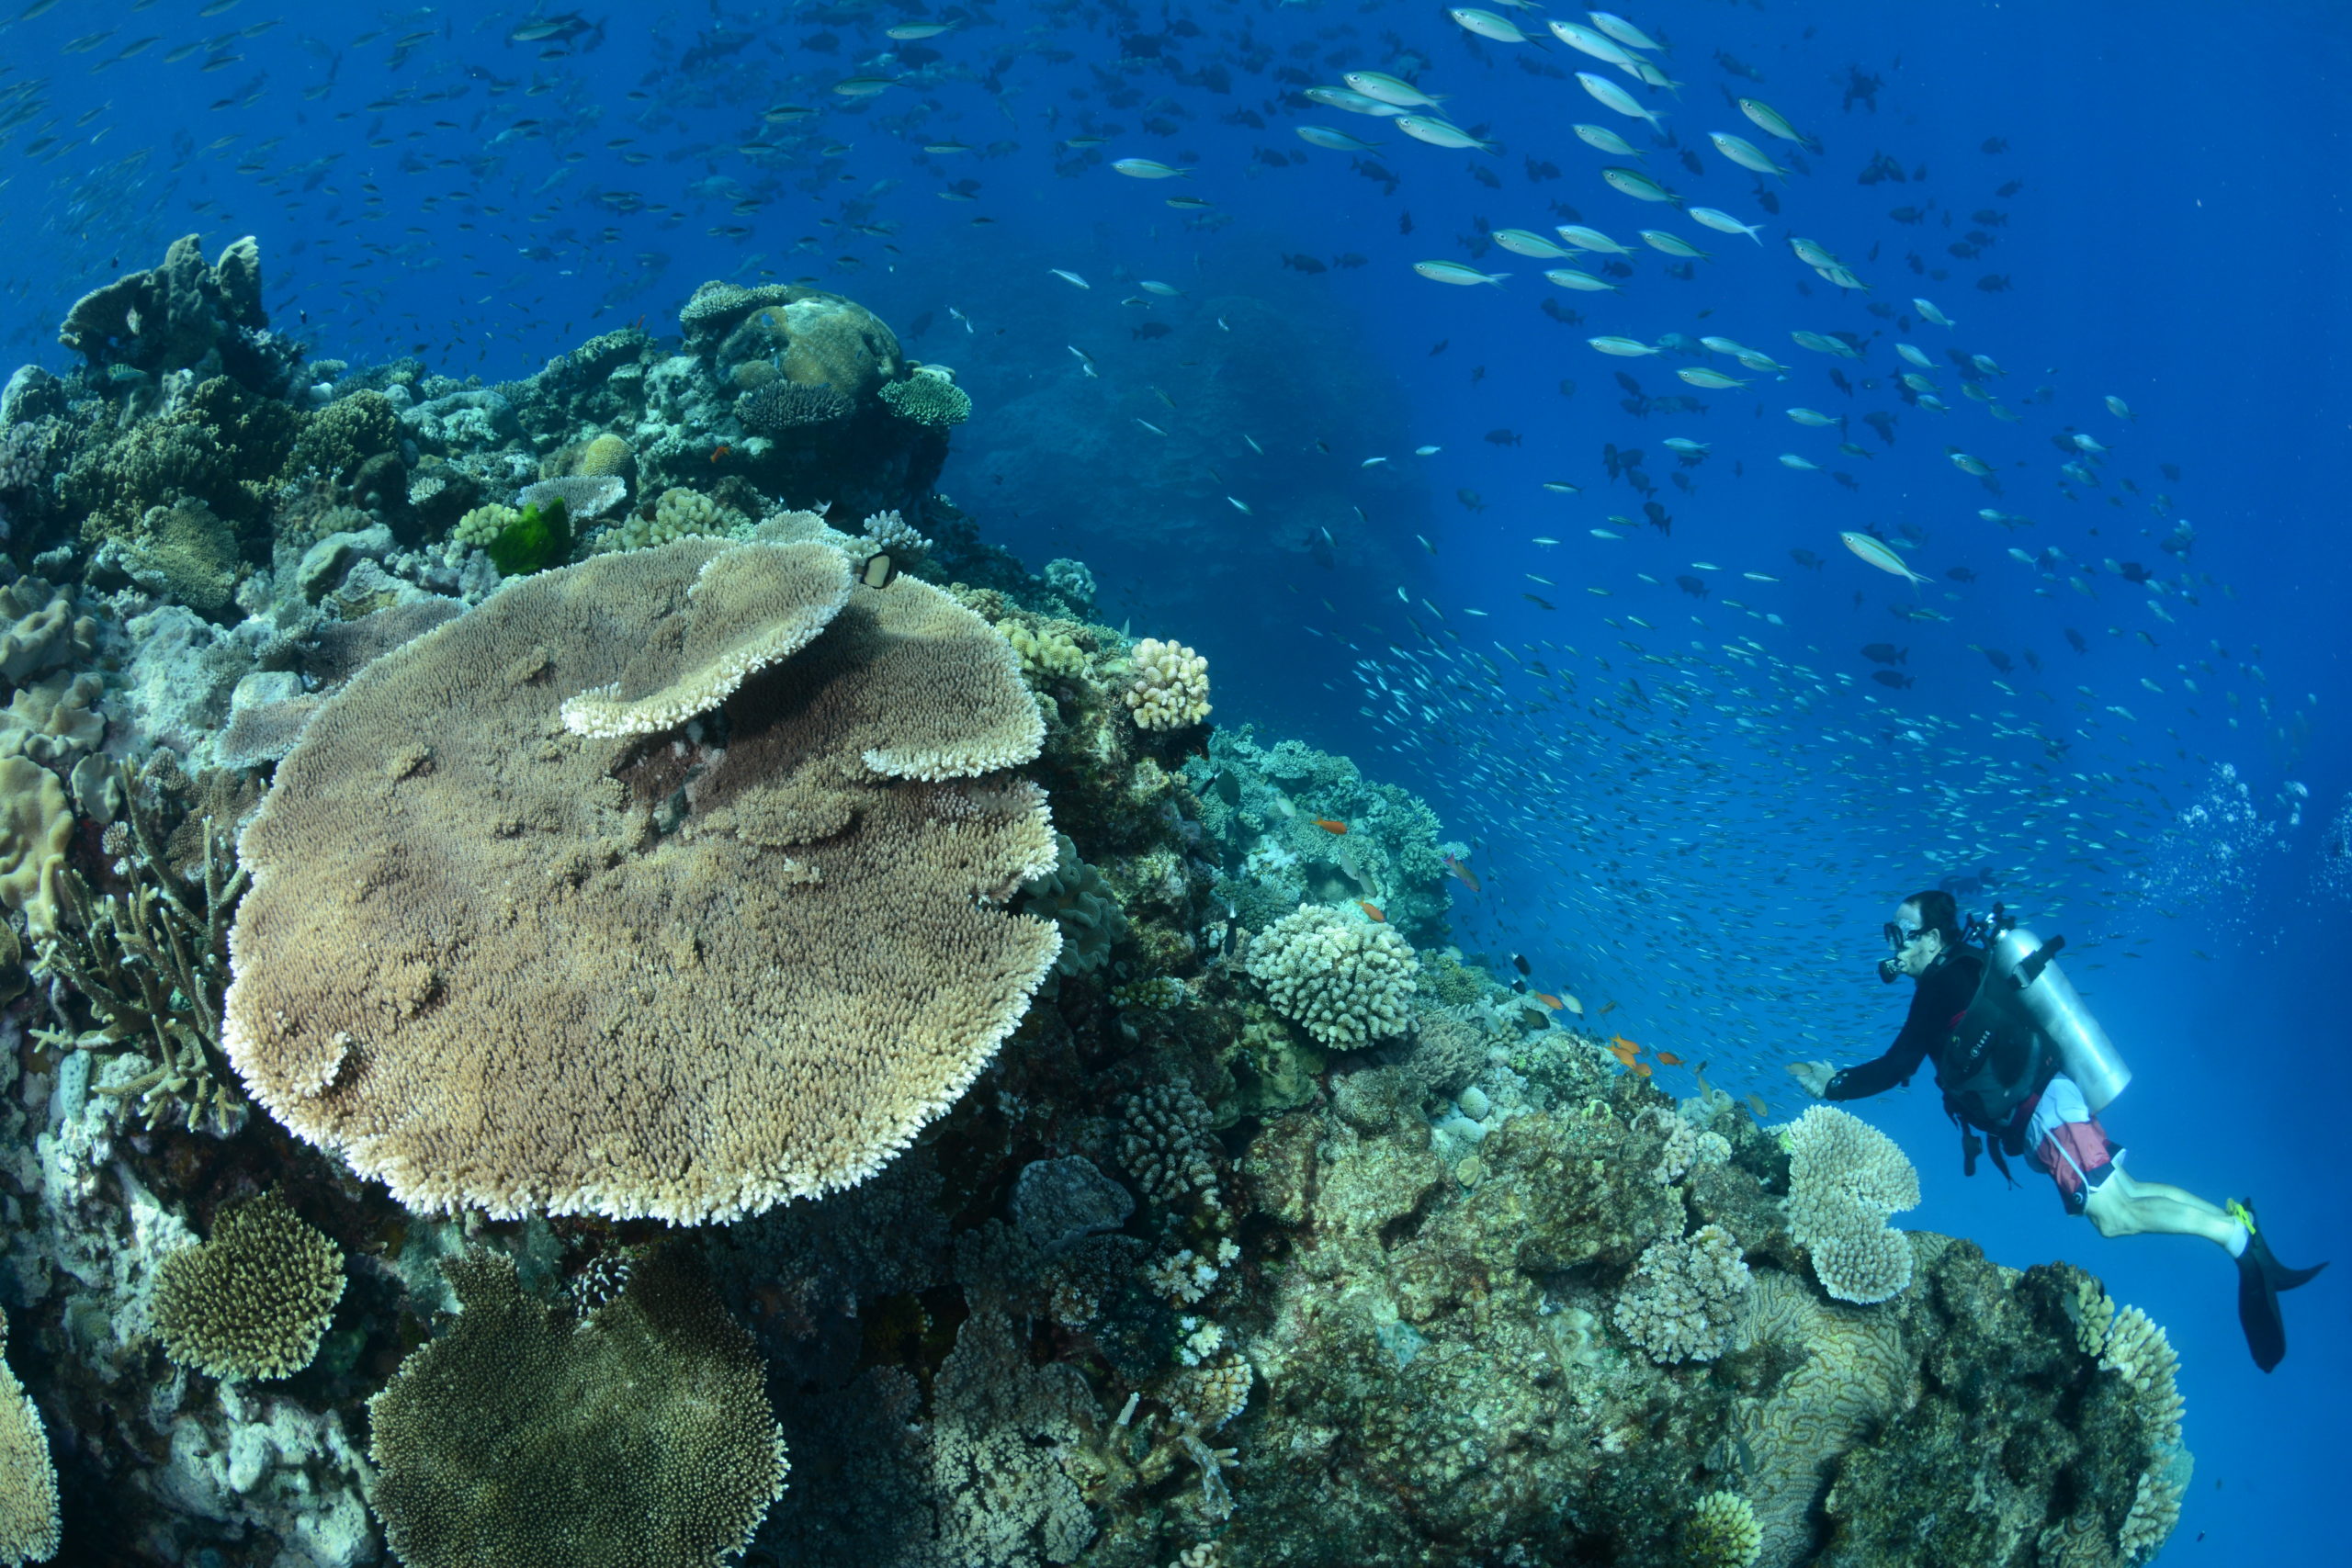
(533, 542)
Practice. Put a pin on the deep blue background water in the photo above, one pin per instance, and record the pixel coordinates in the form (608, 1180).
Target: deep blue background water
(2181, 240)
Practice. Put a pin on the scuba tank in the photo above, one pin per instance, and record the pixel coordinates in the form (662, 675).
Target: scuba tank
(2023, 962)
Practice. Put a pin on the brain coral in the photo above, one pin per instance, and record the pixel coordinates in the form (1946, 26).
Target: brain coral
(1170, 688)
(1343, 981)
(638, 1438)
(646, 975)
(1845, 1178)
(253, 1301)
(1682, 1302)
(605, 454)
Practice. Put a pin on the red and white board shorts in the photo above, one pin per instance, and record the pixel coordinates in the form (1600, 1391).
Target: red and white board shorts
(2065, 1139)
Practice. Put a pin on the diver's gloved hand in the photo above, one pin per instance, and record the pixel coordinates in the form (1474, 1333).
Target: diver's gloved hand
(1813, 1077)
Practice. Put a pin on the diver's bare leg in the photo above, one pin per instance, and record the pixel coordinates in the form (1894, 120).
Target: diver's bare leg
(2124, 1207)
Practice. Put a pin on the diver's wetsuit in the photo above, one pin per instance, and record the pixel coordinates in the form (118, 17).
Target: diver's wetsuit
(1943, 993)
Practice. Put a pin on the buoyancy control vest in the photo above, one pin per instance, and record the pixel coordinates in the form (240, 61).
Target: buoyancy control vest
(1997, 1058)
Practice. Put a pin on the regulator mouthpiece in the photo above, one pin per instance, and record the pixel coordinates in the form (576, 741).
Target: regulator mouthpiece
(1887, 972)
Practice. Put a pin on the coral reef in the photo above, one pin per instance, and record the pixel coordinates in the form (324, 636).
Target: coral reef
(1261, 808)
(781, 406)
(151, 966)
(1150, 1185)
(36, 825)
(253, 1301)
(1074, 897)
(1845, 1178)
(640, 1439)
(183, 315)
(1722, 1532)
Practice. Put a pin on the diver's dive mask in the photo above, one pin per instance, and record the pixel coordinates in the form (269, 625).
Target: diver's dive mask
(1898, 937)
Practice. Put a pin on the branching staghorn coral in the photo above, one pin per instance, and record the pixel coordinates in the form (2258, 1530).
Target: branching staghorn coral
(153, 962)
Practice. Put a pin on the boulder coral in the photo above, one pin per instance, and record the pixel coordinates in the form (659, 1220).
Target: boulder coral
(181, 315)
(618, 967)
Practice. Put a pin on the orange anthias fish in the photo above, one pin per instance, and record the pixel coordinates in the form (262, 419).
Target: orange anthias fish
(1462, 873)
(1669, 1058)
(720, 451)
(1371, 911)
(1551, 1003)
(1328, 825)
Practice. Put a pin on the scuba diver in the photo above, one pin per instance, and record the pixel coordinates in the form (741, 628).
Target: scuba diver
(2026, 1068)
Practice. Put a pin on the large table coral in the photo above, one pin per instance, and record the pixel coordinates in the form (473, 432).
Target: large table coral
(733, 933)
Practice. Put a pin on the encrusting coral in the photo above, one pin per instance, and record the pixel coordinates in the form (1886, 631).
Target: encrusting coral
(1170, 687)
(1345, 982)
(254, 1300)
(1845, 1178)
(645, 976)
(638, 1437)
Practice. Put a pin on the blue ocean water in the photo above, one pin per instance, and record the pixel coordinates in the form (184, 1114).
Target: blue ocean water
(2152, 199)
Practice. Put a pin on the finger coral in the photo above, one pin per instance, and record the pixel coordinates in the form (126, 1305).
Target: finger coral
(1845, 1178)
(253, 1301)
(638, 1437)
(1345, 982)
(1170, 688)
(646, 974)
(1722, 1532)
(1682, 1302)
